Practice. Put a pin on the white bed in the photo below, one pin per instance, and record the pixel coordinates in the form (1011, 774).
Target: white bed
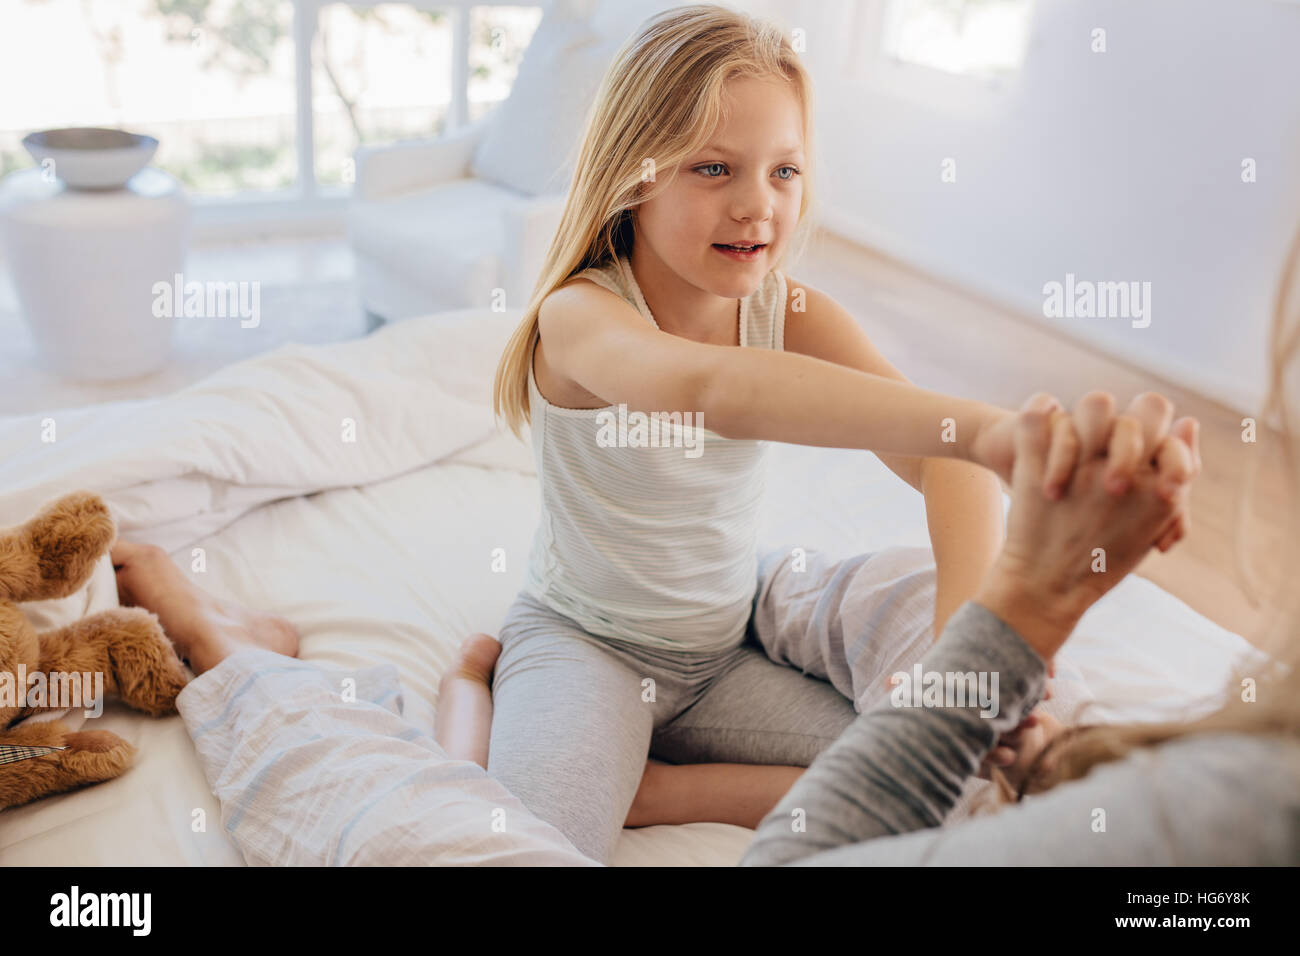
(381, 550)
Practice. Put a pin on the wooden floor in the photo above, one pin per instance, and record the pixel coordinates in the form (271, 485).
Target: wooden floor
(947, 339)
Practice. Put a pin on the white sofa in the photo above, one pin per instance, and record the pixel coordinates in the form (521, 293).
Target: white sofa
(442, 224)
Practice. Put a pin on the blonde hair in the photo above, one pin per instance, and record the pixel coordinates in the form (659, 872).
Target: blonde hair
(661, 100)
(1275, 707)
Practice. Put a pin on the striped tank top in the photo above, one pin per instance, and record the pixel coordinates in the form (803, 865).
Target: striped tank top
(650, 541)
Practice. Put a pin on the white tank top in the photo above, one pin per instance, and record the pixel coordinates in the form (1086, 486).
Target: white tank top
(654, 545)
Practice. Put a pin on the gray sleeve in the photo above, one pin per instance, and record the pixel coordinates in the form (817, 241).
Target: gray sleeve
(1207, 800)
(898, 769)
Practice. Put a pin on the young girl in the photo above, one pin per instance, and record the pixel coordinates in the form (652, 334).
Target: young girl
(662, 295)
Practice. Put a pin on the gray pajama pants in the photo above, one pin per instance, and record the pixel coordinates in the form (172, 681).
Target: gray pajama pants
(575, 715)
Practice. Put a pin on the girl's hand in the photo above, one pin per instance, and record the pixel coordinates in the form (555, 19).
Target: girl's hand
(1061, 556)
(995, 445)
(1093, 429)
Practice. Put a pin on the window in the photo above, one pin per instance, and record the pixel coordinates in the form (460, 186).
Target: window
(255, 99)
(980, 38)
(376, 79)
(382, 73)
(217, 90)
(498, 37)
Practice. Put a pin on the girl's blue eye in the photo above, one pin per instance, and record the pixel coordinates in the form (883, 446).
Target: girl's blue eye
(701, 169)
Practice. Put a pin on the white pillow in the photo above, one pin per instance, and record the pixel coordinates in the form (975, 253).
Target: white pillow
(533, 141)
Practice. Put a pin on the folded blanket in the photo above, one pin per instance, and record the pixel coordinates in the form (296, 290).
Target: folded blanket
(293, 421)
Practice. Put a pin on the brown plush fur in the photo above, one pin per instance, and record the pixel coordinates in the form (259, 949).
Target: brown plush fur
(51, 556)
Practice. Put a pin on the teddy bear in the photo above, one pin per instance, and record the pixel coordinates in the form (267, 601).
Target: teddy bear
(53, 555)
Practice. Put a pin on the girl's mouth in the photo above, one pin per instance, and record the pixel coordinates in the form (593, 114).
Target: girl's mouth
(739, 252)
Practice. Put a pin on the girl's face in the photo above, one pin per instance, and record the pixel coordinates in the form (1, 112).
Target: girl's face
(744, 187)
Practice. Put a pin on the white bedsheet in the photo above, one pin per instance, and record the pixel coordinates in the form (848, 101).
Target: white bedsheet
(381, 550)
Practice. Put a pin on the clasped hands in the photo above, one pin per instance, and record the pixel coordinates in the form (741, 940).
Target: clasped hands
(1092, 492)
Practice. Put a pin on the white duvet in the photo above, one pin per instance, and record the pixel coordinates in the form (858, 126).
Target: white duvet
(361, 490)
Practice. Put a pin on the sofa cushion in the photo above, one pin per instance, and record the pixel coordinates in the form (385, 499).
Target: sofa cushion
(533, 143)
(444, 237)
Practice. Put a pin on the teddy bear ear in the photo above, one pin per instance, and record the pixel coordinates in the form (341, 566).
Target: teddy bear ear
(55, 552)
(82, 500)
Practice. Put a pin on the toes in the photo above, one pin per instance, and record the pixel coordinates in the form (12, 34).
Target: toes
(124, 551)
(285, 640)
(141, 569)
(478, 656)
(150, 557)
(135, 557)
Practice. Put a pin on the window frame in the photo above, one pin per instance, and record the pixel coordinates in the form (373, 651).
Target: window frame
(961, 94)
(308, 207)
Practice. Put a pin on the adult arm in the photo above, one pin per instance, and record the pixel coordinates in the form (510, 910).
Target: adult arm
(898, 769)
(1132, 812)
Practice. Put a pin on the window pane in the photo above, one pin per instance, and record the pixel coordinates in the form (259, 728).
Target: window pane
(498, 37)
(213, 80)
(973, 37)
(379, 74)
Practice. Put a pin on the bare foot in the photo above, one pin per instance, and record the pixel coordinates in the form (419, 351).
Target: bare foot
(739, 794)
(478, 657)
(204, 629)
(463, 723)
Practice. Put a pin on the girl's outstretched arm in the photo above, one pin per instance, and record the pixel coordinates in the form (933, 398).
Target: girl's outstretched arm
(595, 339)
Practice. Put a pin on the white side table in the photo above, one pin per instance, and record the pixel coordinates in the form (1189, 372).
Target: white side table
(84, 265)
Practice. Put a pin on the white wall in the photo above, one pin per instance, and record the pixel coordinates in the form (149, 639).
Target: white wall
(1123, 165)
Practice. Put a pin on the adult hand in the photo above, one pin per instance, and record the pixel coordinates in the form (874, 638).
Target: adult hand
(1061, 555)
(1126, 440)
